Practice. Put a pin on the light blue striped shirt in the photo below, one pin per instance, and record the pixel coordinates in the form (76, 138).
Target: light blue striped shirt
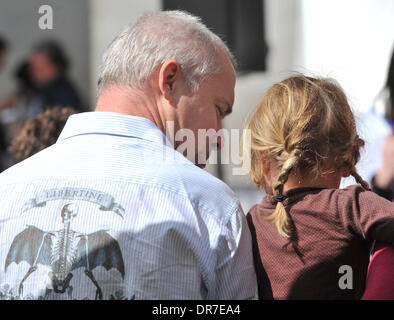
(112, 211)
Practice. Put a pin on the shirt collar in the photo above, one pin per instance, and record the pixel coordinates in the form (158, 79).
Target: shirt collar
(112, 123)
(291, 196)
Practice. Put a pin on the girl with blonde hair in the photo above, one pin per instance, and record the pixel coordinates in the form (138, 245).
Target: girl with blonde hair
(311, 239)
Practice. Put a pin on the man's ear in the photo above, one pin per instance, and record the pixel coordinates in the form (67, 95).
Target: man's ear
(169, 73)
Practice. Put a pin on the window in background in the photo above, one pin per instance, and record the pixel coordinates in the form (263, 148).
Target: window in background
(239, 23)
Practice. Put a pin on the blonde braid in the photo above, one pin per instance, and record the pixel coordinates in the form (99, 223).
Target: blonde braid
(358, 178)
(279, 217)
(355, 156)
(287, 167)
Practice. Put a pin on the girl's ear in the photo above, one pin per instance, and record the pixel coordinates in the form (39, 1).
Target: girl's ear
(267, 173)
(265, 163)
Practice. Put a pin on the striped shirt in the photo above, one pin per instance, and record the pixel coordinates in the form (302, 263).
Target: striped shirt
(112, 211)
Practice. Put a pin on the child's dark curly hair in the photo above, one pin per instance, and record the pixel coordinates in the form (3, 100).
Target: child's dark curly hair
(39, 133)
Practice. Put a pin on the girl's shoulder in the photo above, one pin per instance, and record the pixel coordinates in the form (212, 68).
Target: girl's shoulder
(357, 194)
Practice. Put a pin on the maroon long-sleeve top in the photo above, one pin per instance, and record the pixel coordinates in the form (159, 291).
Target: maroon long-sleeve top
(332, 230)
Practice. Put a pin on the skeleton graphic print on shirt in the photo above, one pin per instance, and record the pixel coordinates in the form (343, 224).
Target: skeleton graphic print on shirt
(66, 251)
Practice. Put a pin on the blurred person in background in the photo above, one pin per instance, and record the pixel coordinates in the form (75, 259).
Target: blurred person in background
(43, 82)
(48, 65)
(376, 128)
(39, 133)
(23, 93)
(383, 180)
(380, 278)
(14, 107)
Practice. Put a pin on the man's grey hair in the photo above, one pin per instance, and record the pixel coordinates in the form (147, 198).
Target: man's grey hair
(135, 54)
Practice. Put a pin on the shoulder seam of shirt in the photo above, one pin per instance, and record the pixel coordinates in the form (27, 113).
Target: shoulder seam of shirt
(220, 245)
(233, 209)
(343, 228)
(354, 232)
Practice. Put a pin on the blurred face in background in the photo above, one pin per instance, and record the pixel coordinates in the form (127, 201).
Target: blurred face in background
(42, 69)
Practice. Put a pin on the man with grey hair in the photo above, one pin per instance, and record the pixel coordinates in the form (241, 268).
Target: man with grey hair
(113, 210)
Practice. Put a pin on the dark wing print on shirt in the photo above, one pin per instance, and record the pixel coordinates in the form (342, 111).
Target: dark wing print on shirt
(99, 249)
(79, 250)
(31, 245)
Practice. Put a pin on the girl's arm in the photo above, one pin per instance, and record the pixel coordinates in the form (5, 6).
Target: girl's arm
(366, 214)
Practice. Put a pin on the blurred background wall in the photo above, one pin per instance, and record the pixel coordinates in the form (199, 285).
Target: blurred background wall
(350, 40)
